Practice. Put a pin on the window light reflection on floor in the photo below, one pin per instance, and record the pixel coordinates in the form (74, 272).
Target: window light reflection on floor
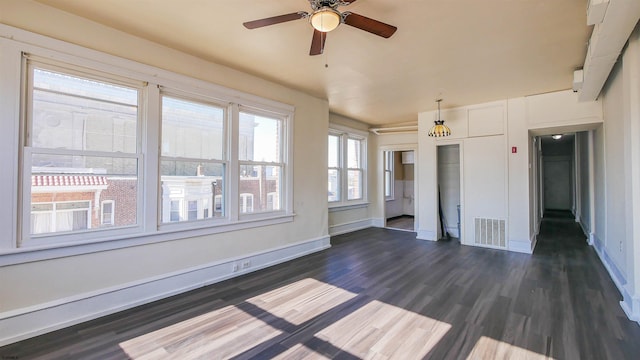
(488, 348)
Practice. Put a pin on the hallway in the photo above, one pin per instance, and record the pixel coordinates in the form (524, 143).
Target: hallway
(581, 301)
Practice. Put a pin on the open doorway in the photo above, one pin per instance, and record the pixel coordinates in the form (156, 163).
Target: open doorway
(399, 189)
(449, 192)
(558, 175)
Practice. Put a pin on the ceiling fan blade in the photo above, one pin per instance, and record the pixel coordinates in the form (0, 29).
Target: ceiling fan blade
(275, 20)
(317, 42)
(370, 25)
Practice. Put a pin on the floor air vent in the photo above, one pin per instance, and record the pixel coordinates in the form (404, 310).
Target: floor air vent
(490, 232)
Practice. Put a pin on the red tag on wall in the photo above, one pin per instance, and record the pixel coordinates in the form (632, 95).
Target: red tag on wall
(514, 149)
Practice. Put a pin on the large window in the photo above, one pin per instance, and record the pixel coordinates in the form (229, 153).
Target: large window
(193, 160)
(108, 153)
(260, 151)
(346, 167)
(81, 152)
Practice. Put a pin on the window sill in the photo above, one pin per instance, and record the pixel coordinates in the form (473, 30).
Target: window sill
(39, 253)
(345, 207)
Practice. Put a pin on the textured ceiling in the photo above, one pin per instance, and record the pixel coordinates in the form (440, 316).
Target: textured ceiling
(465, 51)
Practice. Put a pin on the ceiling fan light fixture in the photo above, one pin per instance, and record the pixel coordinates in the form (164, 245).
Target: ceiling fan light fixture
(325, 19)
(439, 129)
(557, 137)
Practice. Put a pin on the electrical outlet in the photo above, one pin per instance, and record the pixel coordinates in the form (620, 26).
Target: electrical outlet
(246, 264)
(620, 246)
(235, 267)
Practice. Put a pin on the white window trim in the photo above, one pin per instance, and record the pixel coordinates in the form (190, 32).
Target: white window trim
(391, 171)
(113, 212)
(346, 133)
(13, 43)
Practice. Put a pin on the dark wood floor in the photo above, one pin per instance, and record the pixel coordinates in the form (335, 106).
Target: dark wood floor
(379, 294)
(403, 222)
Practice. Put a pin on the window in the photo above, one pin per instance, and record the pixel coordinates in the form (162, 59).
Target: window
(174, 213)
(246, 203)
(60, 217)
(346, 166)
(106, 151)
(355, 169)
(261, 162)
(334, 168)
(192, 211)
(81, 148)
(192, 162)
(107, 212)
(388, 175)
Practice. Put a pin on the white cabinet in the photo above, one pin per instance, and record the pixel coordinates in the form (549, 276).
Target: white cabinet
(407, 157)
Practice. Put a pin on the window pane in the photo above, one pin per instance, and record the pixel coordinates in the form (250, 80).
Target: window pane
(387, 183)
(355, 184)
(81, 114)
(191, 183)
(353, 154)
(191, 129)
(259, 138)
(66, 189)
(334, 151)
(334, 188)
(263, 183)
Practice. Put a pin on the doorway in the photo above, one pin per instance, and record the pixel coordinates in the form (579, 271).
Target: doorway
(399, 189)
(558, 174)
(449, 192)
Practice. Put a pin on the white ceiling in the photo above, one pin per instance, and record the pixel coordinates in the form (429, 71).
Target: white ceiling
(465, 51)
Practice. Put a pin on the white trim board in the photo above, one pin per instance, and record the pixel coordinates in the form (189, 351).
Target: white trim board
(348, 227)
(32, 321)
(630, 304)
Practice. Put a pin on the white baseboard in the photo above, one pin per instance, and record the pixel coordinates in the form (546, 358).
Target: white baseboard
(32, 321)
(630, 304)
(427, 235)
(377, 222)
(352, 226)
(521, 246)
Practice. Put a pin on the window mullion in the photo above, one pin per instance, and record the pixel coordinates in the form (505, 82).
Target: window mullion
(150, 146)
(233, 190)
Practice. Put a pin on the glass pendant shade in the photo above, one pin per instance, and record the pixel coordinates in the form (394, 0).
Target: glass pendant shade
(325, 19)
(439, 129)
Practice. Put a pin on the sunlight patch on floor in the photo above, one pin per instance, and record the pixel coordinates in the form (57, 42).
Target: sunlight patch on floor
(381, 330)
(488, 348)
(302, 301)
(221, 333)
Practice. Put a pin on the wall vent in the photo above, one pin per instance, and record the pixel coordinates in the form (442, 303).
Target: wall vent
(490, 232)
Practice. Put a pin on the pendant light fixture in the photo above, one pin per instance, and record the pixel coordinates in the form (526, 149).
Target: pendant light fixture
(439, 129)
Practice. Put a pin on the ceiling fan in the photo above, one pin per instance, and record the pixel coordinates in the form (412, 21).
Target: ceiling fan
(326, 17)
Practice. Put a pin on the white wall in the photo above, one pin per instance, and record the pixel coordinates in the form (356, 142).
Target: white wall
(497, 137)
(584, 191)
(617, 155)
(57, 292)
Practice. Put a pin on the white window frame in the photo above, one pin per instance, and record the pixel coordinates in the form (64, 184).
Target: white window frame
(113, 212)
(16, 186)
(281, 163)
(338, 168)
(29, 63)
(346, 133)
(244, 200)
(205, 100)
(389, 172)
